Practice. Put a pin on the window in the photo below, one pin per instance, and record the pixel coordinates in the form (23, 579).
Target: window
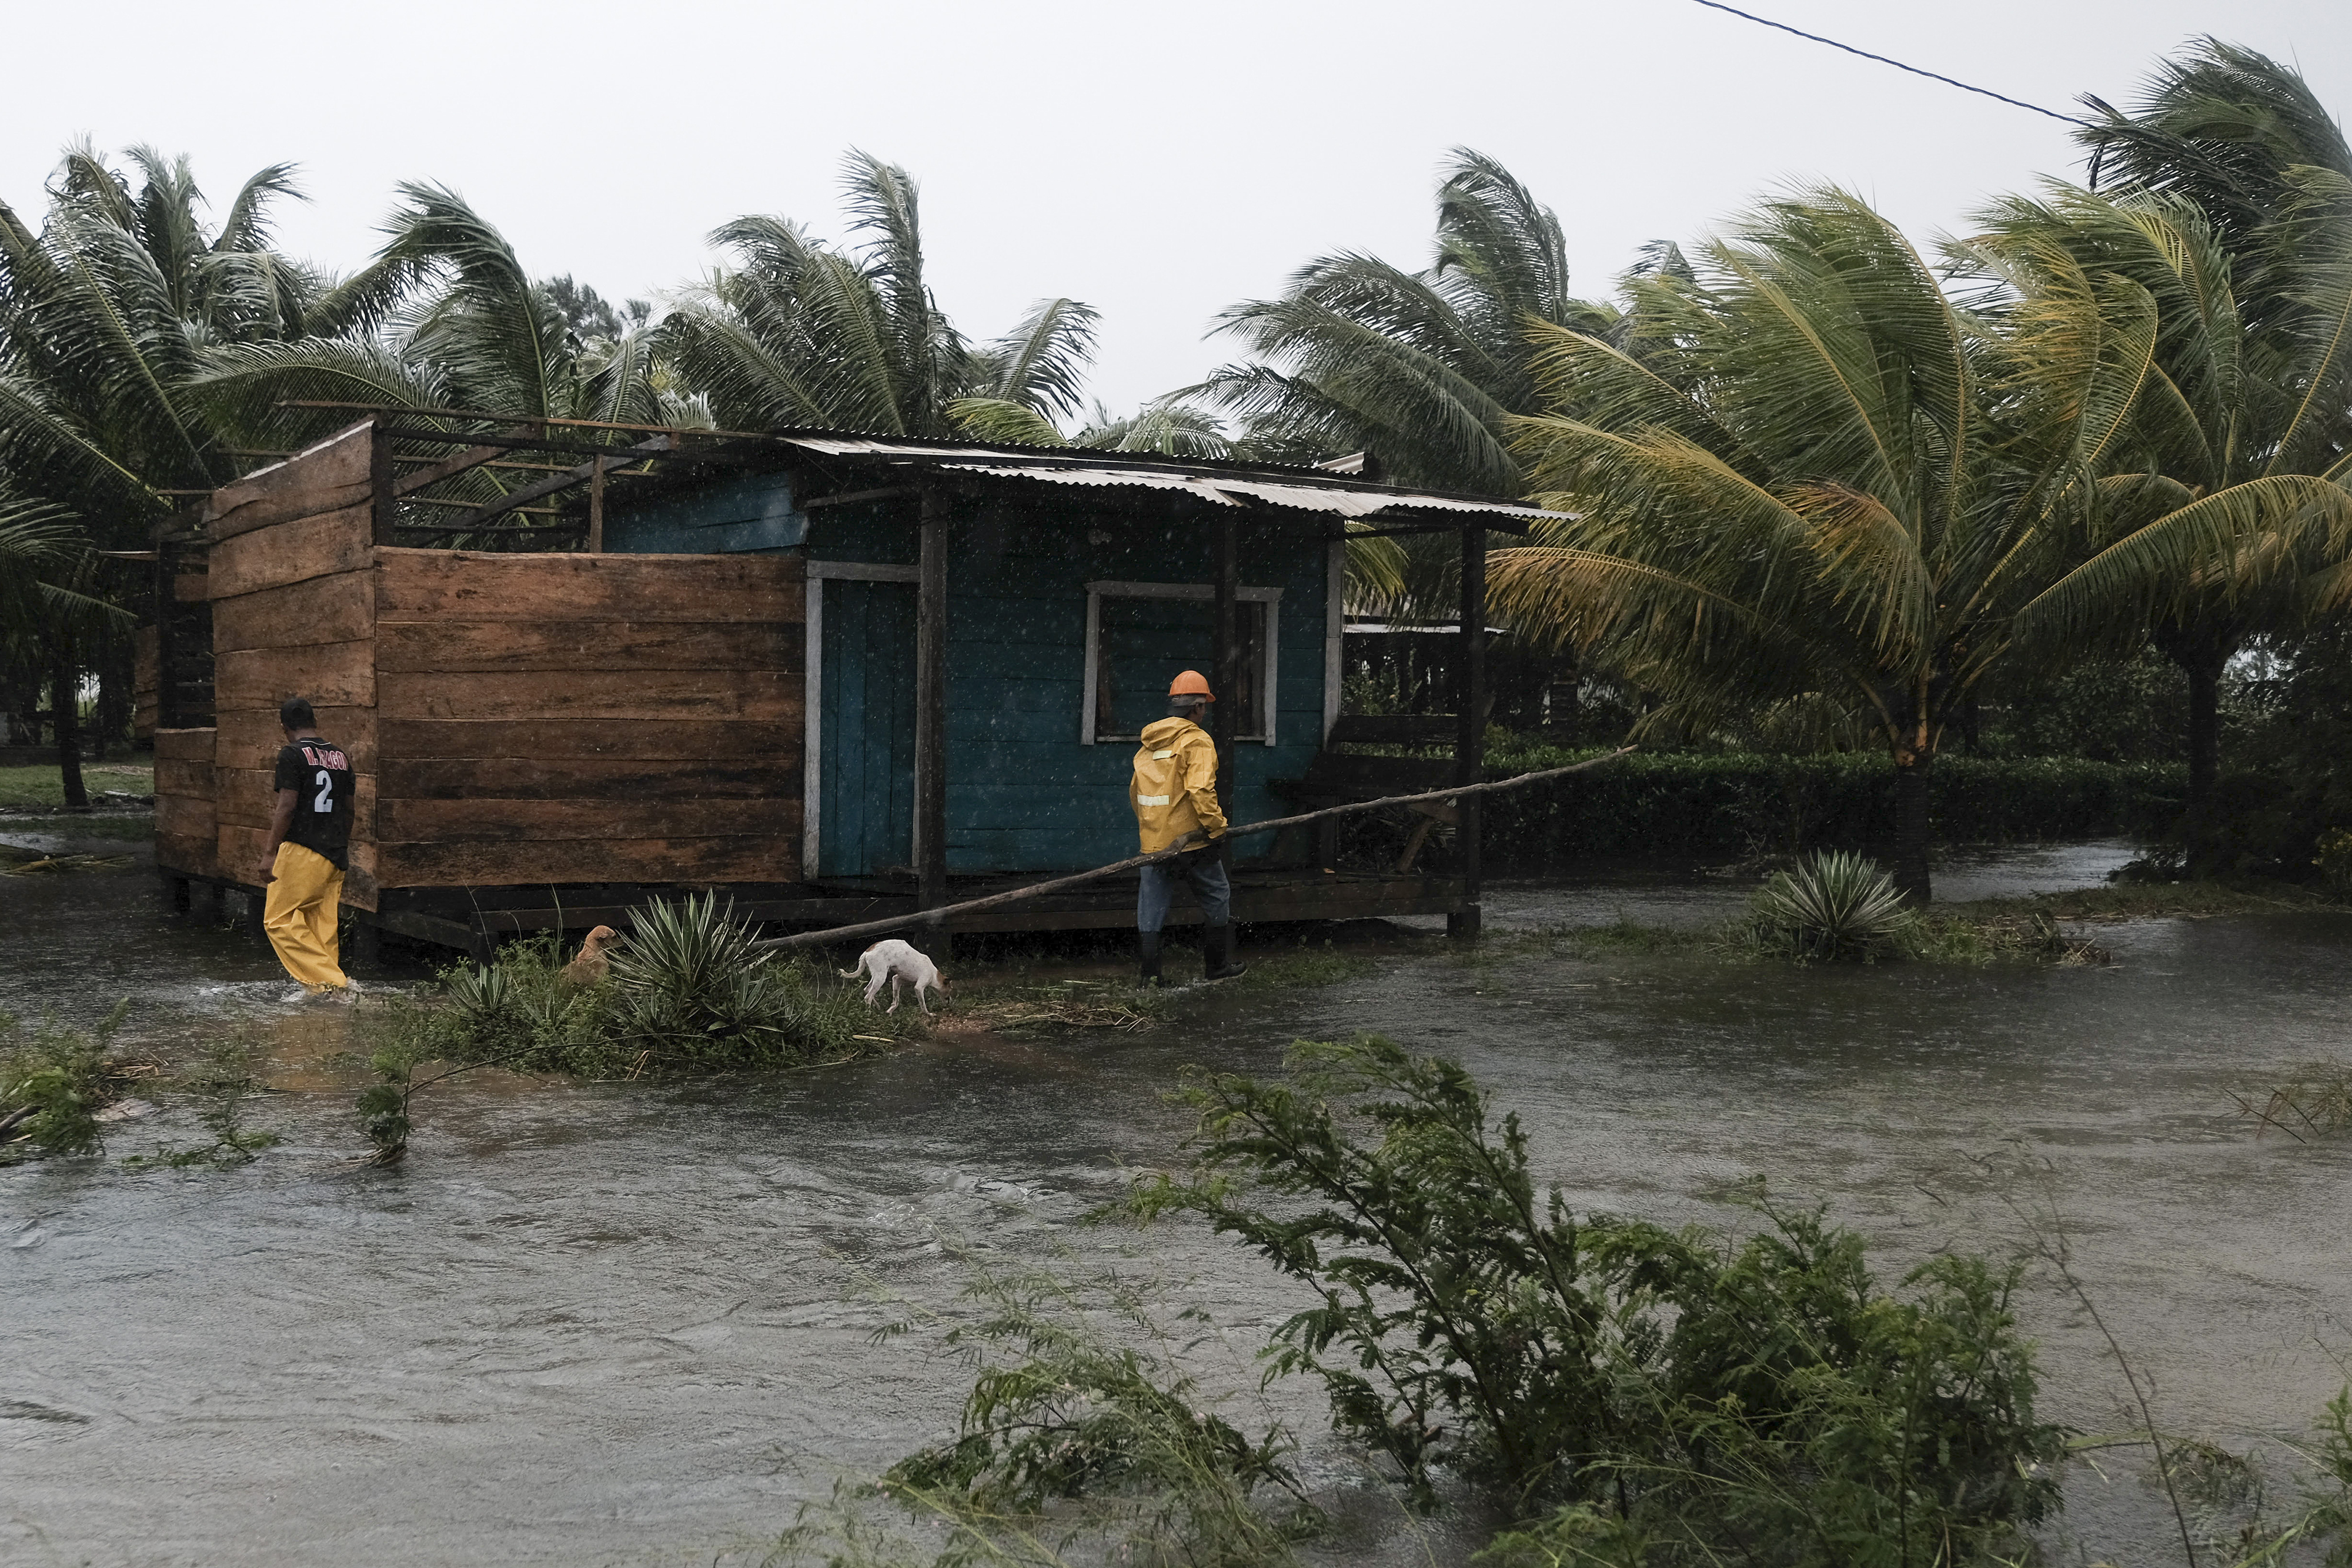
(1138, 634)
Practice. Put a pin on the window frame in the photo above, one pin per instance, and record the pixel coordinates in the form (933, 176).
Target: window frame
(1269, 598)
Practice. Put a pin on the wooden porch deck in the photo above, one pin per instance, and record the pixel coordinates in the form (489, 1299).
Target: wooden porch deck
(473, 918)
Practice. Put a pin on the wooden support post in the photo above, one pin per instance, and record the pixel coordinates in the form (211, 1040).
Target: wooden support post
(1224, 662)
(382, 483)
(1470, 738)
(255, 904)
(366, 946)
(596, 509)
(176, 892)
(932, 704)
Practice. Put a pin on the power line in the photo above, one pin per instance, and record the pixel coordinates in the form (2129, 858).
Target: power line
(1898, 64)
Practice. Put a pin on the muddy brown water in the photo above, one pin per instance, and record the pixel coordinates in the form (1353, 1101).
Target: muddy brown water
(633, 1324)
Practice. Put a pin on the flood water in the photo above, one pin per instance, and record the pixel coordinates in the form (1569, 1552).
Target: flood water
(625, 1324)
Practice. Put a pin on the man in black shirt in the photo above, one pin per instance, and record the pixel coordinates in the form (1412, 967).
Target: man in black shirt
(306, 852)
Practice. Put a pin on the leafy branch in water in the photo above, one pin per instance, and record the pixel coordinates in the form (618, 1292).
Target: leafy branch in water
(1073, 1442)
(1647, 1389)
(221, 1084)
(54, 1081)
(2315, 1101)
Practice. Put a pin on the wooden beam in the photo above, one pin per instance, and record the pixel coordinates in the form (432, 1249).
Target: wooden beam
(1470, 737)
(448, 468)
(596, 508)
(1224, 664)
(932, 704)
(880, 492)
(563, 481)
(380, 496)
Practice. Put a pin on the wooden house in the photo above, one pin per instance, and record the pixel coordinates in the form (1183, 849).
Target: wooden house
(834, 675)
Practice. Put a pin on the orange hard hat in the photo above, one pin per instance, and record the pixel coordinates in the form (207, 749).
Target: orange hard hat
(1191, 683)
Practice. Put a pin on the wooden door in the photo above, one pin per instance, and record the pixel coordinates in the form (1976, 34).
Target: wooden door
(866, 767)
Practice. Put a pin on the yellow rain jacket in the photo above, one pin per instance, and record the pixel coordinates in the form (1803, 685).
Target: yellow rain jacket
(1174, 790)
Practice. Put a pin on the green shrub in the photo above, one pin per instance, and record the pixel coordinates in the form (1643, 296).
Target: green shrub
(1098, 1442)
(688, 988)
(1650, 804)
(1699, 1402)
(2335, 858)
(53, 1083)
(1834, 906)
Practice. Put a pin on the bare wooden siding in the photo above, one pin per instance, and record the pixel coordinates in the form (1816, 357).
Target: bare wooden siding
(146, 682)
(571, 718)
(185, 831)
(291, 572)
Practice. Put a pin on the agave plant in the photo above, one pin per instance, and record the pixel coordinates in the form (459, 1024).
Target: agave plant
(1835, 905)
(692, 985)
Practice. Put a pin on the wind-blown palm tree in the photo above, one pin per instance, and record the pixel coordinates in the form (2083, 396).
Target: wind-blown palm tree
(107, 312)
(2245, 419)
(445, 317)
(800, 333)
(1423, 368)
(1816, 480)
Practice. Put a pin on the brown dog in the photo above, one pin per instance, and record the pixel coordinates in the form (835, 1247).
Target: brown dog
(588, 968)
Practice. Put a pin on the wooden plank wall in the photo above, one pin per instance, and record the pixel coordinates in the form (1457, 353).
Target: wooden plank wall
(586, 718)
(291, 574)
(186, 828)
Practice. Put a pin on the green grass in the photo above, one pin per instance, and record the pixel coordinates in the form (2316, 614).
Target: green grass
(40, 786)
(2160, 901)
(135, 829)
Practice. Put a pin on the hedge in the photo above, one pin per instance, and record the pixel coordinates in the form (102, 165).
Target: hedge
(1651, 804)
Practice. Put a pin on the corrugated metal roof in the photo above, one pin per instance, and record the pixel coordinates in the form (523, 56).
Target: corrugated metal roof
(1346, 498)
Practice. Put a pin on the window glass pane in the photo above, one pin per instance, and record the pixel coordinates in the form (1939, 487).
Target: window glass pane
(1144, 641)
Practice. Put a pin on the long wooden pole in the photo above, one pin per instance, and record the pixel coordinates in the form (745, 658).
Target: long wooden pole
(934, 917)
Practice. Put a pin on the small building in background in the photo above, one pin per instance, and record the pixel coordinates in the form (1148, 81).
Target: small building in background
(836, 677)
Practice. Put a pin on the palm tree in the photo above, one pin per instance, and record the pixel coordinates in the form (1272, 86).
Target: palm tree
(2238, 188)
(1809, 479)
(1424, 369)
(106, 312)
(2246, 419)
(800, 333)
(446, 316)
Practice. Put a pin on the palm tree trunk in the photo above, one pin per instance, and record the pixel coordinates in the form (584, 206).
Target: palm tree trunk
(2202, 846)
(2201, 652)
(1911, 827)
(64, 719)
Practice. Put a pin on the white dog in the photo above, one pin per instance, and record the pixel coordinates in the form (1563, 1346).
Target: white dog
(896, 962)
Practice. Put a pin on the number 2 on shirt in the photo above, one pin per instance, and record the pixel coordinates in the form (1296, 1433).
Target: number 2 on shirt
(325, 803)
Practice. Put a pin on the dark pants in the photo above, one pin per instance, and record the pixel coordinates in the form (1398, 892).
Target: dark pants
(1204, 870)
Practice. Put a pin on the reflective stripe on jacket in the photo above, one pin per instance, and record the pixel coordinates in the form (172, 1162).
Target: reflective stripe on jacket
(1174, 790)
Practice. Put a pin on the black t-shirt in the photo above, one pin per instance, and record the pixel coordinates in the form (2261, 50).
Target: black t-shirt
(319, 774)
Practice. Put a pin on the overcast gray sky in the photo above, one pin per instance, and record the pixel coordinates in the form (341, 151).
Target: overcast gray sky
(1159, 162)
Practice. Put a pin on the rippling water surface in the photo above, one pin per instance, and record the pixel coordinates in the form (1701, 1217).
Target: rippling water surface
(630, 1322)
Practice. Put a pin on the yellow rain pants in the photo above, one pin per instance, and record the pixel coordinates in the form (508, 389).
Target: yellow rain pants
(301, 913)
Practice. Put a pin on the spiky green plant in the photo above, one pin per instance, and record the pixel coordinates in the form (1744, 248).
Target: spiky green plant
(1837, 904)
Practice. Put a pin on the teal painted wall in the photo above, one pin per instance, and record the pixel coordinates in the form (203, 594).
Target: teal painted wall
(867, 763)
(1023, 794)
(743, 514)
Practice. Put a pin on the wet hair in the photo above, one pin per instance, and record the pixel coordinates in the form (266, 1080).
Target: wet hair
(295, 712)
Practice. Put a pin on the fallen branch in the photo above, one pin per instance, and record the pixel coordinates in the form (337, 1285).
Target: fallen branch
(934, 917)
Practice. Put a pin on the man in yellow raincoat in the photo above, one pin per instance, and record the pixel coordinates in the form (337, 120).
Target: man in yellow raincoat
(1174, 793)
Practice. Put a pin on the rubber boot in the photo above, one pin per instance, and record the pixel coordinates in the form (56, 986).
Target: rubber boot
(1148, 954)
(1217, 954)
